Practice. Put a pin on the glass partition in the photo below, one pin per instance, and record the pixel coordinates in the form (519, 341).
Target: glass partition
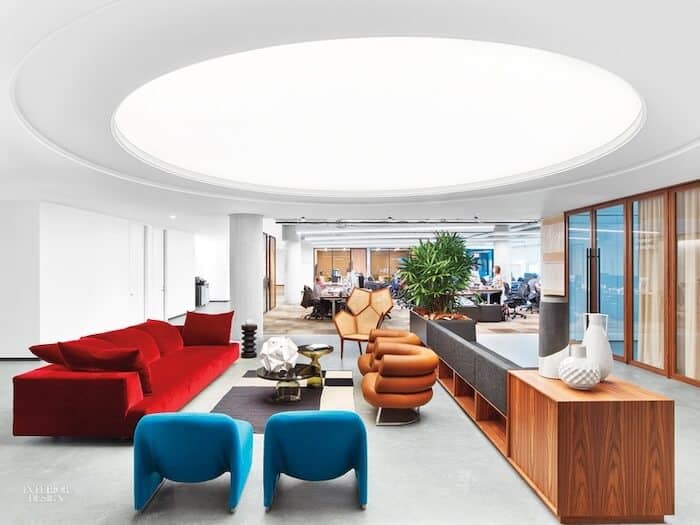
(688, 283)
(385, 263)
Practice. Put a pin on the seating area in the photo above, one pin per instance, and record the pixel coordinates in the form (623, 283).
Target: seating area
(359, 262)
(102, 398)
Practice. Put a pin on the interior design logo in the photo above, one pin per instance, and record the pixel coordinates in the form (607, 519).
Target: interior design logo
(51, 493)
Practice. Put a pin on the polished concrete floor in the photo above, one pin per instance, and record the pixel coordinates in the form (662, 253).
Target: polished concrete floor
(441, 470)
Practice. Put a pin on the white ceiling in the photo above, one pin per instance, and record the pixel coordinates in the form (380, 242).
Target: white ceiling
(69, 64)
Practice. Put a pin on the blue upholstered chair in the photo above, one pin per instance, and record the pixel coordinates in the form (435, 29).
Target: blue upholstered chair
(190, 447)
(315, 446)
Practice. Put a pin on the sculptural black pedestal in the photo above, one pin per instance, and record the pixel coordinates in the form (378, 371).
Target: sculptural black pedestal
(249, 340)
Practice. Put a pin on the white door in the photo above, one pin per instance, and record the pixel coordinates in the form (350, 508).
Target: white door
(155, 275)
(137, 273)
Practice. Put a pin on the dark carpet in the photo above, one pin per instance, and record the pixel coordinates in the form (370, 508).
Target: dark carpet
(254, 404)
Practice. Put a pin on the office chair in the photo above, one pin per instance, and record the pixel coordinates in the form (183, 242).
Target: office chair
(307, 300)
(516, 300)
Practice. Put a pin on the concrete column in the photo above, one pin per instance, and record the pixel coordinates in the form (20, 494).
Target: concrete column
(501, 257)
(293, 277)
(554, 324)
(246, 270)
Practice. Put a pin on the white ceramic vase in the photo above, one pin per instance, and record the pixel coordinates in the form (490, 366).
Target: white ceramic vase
(595, 339)
(578, 371)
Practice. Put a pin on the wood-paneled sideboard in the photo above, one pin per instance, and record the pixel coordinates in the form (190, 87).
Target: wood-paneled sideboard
(601, 456)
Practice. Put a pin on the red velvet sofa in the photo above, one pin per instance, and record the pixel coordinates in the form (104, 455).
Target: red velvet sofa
(56, 401)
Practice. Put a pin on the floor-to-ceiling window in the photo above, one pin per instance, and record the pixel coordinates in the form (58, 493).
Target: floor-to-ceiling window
(688, 283)
(610, 262)
(648, 280)
(579, 237)
(484, 261)
(638, 261)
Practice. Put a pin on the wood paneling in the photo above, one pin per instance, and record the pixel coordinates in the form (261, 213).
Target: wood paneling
(600, 456)
(533, 438)
(553, 234)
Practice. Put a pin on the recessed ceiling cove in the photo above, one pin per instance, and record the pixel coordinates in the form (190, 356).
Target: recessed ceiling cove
(372, 117)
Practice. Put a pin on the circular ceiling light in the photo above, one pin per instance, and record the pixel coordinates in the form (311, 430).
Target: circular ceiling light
(371, 117)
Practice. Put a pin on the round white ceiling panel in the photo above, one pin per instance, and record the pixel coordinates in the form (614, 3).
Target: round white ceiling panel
(372, 117)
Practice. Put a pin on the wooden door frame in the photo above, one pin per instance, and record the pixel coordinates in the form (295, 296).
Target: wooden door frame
(670, 271)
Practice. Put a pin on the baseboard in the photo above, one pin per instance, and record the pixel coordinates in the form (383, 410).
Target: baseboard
(19, 359)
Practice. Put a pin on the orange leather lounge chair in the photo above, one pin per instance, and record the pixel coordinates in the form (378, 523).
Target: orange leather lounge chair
(403, 381)
(366, 361)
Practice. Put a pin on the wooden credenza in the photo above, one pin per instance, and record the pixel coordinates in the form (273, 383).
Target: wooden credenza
(606, 455)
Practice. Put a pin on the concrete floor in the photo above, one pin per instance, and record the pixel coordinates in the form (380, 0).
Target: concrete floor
(441, 470)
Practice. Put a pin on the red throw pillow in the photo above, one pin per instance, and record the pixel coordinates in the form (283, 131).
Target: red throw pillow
(168, 337)
(49, 353)
(207, 329)
(80, 356)
(133, 338)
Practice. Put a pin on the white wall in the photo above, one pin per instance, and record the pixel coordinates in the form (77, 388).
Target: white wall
(84, 273)
(19, 267)
(179, 272)
(212, 262)
(525, 259)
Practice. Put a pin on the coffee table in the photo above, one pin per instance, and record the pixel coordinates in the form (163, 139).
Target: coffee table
(315, 352)
(288, 389)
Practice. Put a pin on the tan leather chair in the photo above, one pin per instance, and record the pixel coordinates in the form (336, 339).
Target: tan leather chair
(404, 380)
(366, 361)
(361, 317)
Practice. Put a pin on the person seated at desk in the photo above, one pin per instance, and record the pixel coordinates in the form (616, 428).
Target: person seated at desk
(317, 293)
(319, 285)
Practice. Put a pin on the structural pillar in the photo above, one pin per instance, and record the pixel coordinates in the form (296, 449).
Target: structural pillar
(246, 270)
(294, 278)
(501, 257)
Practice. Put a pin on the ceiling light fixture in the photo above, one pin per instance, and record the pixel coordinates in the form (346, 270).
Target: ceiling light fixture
(443, 109)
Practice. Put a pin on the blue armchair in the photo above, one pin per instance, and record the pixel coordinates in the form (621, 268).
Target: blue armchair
(315, 446)
(190, 448)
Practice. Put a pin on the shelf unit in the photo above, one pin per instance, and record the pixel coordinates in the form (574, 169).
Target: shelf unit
(487, 417)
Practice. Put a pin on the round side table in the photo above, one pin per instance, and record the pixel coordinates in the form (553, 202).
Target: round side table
(315, 352)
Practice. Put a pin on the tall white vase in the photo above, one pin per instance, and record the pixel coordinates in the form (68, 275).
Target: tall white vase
(595, 339)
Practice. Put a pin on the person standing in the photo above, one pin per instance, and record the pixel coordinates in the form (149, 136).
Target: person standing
(498, 282)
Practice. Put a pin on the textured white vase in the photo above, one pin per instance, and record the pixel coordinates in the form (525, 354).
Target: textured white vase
(595, 339)
(578, 371)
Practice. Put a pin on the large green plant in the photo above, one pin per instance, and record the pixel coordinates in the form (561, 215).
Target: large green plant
(436, 271)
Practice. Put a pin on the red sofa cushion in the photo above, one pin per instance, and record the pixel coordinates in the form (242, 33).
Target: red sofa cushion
(207, 329)
(167, 336)
(49, 353)
(180, 376)
(86, 357)
(133, 338)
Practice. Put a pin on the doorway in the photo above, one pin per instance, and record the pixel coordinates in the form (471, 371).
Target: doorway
(270, 280)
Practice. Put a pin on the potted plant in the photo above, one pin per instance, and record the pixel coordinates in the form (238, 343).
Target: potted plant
(433, 275)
